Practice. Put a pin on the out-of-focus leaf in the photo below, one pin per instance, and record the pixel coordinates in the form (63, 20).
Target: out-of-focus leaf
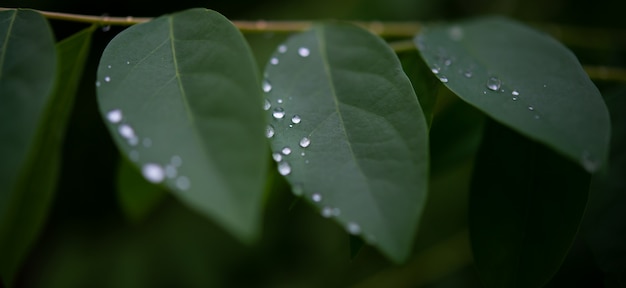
(525, 80)
(348, 133)
(604, 227)
(181, 97)
(137, 196)
(424, 83)
(526, 203)
(39, 114)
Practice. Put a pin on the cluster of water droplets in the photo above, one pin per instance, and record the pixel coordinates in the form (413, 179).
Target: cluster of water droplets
(152, 172)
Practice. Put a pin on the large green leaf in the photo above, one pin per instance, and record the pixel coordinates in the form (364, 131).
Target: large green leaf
(181, 96)
(33, 191)
(526, 203)
(348, 133)
(604, 226)
(525, 80)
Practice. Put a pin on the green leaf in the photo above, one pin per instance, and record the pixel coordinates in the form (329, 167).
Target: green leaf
(181, 96)
(349, 132)
(604, 226)
(34, 187)
(526, 203)
(137, 196)
(525, 80)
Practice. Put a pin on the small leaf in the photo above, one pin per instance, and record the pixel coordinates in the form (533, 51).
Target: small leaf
(34, 188)
(348, 133)
(181, 96)
(604, 226)
(137, 196)
(525, 80)
(526, 203)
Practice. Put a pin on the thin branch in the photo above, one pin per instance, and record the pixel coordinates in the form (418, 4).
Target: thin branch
(402, 45)
(604, 73)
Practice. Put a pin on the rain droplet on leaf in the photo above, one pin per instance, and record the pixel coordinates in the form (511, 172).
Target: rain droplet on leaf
(494, 84)
(154, 173)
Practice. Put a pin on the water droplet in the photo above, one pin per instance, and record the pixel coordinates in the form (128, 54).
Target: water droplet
(127, 62)
(295, 119)
(279, 101)
(286, 151)
(114, 116)
(134, 155)
(435, 70)
(278, 113)
(176, 161)
(274, 61)
(170, 171)
(284, 168)
(126, 131)
(266, 105)
(447, 62)
(183, 183)
(531, 108)
(97, 83)
(353, 228)
(106, 28)
(316, 197)
(107, 79)
(327, 212)
(133, 141)
(277, 156)
(537, 117)
(467, 74)
(297, 189)
(306, 161)
(109, 66)
(514, 98)
(147, 142)
(302, 154)
(269, 131)
(443, 79)
(589, 162)
(514, 93)
(267, 87)
(304, 52)
(545, 86)
(305, 142)
(153, 172)
(290, 125)
(455, 33)
(494, 84)
(485, 92)
(282, 49)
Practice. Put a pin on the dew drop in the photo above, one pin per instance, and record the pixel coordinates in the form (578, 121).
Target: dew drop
(126, 131)
(278, 113)
(447, 62)
(153, 172)
(133, 141)
(114, 116)
(284, 168)
(277, 156)
(109, 66)
(176, 161)
(297, 189)
(305, 142)
(279, 101)
(290, 125)
(467, 74)
(147, 142)
(316, 197)
(286, 151)
(327, 212)
(269, 131)
(514, 98)
(353, 228)
(282, 49)
(537, 117)
(494, 84)
(267, 87)
(514, 93)
(170, 171)
(435, 70)
(107, 79)
(443, 79)
(266, 105)
(531, 108)
(295, 119)
(183, 183)
(127, 62)
(274, 61)
(97, 83)
(304, 52)
(302, 154)
(589, 162)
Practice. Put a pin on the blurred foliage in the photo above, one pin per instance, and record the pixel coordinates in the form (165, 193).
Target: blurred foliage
(88, 241)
